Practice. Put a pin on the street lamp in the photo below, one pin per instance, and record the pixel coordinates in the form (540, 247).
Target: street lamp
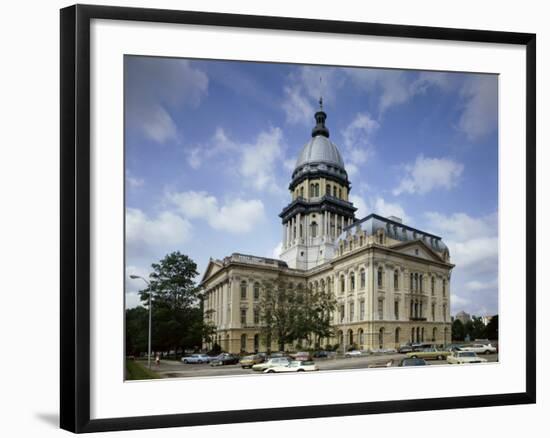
(135, 277)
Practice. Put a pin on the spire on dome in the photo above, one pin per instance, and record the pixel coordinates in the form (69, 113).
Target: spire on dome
(320, 117)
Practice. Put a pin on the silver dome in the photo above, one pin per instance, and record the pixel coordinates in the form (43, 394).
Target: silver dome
(320, 150)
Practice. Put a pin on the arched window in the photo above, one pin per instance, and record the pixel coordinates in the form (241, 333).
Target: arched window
(380, 277)
(314, 229)
(311, 190)
(433, 286)
(317, 189)
(444, 312)
(433, 312)
(397, 336)
(243, 342)
(381, 238)
(396, 279)
(342, 284)
(243, 290)
(444, 286)
(256, 342)
(328, 190)
(329, 285)
(301, 192)
(361, 240)
(352, 281)
(363, 279)
(301, 231)
(340, 193)
(381, 337)
(256, 291)
(434, 334)
(361, 336)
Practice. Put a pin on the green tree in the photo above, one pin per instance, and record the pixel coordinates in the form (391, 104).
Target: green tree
(136, 330)
(492, 329)
(457, 330)
(178, 321)
(280, 316)
(291, 314)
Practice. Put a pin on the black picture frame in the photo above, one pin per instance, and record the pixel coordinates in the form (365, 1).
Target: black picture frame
(75, 217)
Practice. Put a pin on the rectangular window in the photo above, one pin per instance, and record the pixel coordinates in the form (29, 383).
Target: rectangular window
(380, 309)
(243, 291)
(342, 313)
(362, 310)
(396, 309)
(256, 293)
(243, 316)
(351, 311)
(433, 312)
(256, 317)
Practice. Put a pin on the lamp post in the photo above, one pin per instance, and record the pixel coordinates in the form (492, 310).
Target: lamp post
(135, 277)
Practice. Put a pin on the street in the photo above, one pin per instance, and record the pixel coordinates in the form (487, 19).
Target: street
(175, 369)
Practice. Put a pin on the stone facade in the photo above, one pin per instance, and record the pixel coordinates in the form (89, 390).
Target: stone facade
(391, 281)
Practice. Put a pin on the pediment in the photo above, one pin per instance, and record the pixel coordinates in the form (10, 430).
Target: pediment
(213, 267)
(417, 248)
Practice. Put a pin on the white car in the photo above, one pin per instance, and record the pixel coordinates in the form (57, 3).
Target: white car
(462, 357)
(480, 348)
(353, 353)
(274, 362)
(293, 367)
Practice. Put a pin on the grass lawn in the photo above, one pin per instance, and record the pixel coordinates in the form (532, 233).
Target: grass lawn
(136, 371)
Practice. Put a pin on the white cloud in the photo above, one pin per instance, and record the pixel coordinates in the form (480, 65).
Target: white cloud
(256, 163)
(235, 216)
(395, 87)
(459, 301)
(473, 246)
(276, 253)
(219, 144)
(462, 227)
(289, 164)
(384, 208)
(480, 112)
(357, 141)
(360, 204)
(259, 160)
(134, 182)
(144, 233)
(159, 126)
(476, 285)
(426, 174)
(297, 107)
(153, 86)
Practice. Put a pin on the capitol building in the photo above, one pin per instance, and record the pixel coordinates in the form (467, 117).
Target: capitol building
(391, 282)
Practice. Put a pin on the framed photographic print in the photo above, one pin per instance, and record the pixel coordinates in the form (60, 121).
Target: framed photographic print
(269, 218)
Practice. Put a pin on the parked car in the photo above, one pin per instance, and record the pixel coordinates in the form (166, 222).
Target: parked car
(353, 353)
(321, 354)
(462, 357)
(301, 355)
(429, 353)
(273, 362)
(412, 362)
(294, 366)
(405, 349)
(248, 361)
(454, 347)
(224, 359)
(480, 348)
(196, 358)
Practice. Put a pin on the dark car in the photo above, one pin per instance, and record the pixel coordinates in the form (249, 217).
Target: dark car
(412, 362)
(224, 359)
(405, 349)
(321, 354)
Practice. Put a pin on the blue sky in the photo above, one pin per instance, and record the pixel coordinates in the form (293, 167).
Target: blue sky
(210, 147)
